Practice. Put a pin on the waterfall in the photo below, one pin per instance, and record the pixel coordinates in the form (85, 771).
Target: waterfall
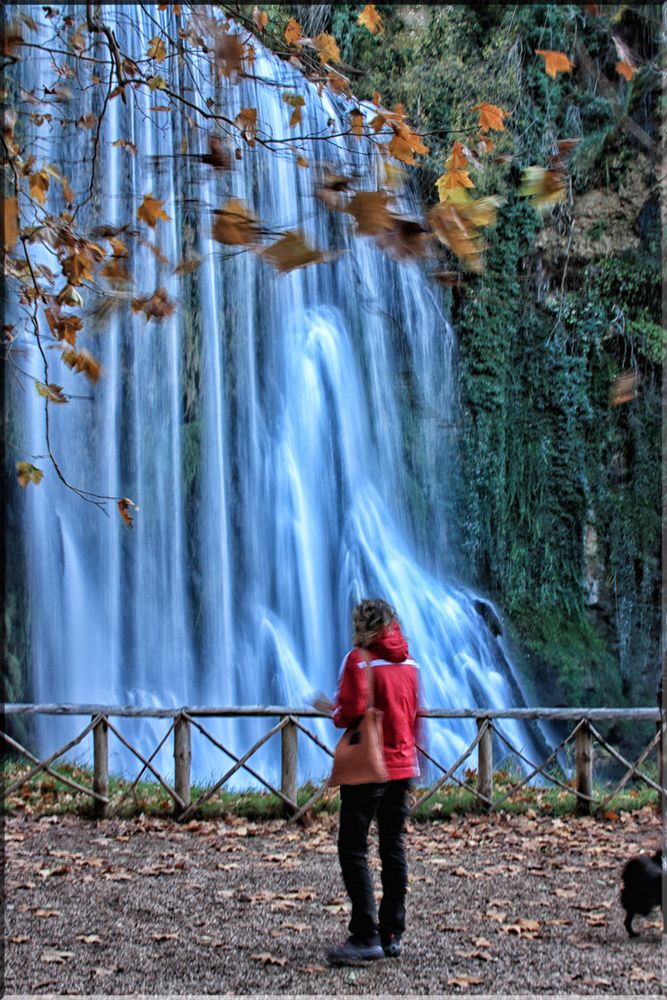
(287, 437)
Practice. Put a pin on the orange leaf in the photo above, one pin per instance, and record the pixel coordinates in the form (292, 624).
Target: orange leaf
(625, 69)
(261, 18)
(11, 222)
(78, 267)
(295, 101)
(369, 209)
(155, 306)
(542, 186)
(246, 120)
(452, 180)
(234, 225)
(292, 251)
(327, 48)
(292, 32)
(124, 506)
(357, 120)
(151, 210)
(371, 19)
(457, 159)
(126, 144)
(39, 185)
(555, 62)
(490, 117)
(83, 361)
(53, 393)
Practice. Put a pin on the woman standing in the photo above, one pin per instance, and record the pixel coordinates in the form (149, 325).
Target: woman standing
(380, 646)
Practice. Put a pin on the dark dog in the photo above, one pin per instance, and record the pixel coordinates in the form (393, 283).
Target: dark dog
(642, 887)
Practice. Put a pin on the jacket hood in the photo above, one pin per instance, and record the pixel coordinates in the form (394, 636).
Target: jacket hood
(390, 644)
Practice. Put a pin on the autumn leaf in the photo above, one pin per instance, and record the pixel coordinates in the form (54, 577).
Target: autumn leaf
(267, 959)
(83, 361)
(116, 272)
(625, 70)
(247, 122)
(369, 209)
(28, 473)
(301, 161)
(458, 234)
(155, 306)
(188, 266)
(78, 267)
(234, 225)
(39, 185)
(555, 62)
(452, 180)
(87, 121)
(63, 326)
(156, 49)
(292, 251)
(370, 19)
(52, 393)
(126, 144)
(150, 211)
(331, 189)
(542, 186)
(261, 18)
(402, 150)
(10, 230)
(292, 32)
(338, 83)
(481, 211)
(406, 239)
(357, 120)
(490, 117)
(327, 48)
(56, 955)
(218, 155)
(464, 981)
(124, 507)
(295, 101)
(229, 54)
(457, 159)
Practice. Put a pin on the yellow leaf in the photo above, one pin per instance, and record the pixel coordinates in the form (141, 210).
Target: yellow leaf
(156, 82)
(555, 62)
(625, 69)
(234, 225)
(11, 222)
(151, 210)
(292, 32)
(156, 49)
(542, 186)
(53, 393)
(28, 473)
(39, 185)
(490, 117)
(327, 48)
(371, 19)
(292, 251)
(481, 211)
(295, 101)
(452, 179)
(357, 119)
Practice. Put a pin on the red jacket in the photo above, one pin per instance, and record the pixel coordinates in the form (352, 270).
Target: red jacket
(396, 687)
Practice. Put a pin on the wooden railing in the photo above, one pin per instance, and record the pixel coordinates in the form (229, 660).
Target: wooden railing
(584, 734)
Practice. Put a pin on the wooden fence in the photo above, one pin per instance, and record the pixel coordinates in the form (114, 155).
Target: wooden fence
(292, 723)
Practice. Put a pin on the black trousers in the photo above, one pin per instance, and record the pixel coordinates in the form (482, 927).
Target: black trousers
(358, 805)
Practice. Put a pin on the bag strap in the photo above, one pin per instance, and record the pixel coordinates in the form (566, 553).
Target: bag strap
(370, 692)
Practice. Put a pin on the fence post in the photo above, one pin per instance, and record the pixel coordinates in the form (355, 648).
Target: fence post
(584, 769)
(101, 766)
(485, 761)
(288, 742)
(182, 760)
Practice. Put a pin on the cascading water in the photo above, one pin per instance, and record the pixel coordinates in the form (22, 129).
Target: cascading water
(287, 438)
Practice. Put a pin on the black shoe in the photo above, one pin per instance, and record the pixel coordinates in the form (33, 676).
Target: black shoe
(392, 946)
(354, 953)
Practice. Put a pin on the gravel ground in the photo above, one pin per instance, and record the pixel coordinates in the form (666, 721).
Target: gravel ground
(500, 905)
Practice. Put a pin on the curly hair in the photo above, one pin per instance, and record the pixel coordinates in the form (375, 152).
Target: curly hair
(368, 617)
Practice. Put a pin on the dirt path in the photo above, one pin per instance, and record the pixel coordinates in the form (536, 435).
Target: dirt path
(497, 905)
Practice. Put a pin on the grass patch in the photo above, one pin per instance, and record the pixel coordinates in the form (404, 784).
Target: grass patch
(45, 794)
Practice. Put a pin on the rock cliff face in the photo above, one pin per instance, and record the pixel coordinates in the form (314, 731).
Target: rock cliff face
(604, 220)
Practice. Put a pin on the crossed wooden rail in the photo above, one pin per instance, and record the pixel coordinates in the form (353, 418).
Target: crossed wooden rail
(184, 720)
